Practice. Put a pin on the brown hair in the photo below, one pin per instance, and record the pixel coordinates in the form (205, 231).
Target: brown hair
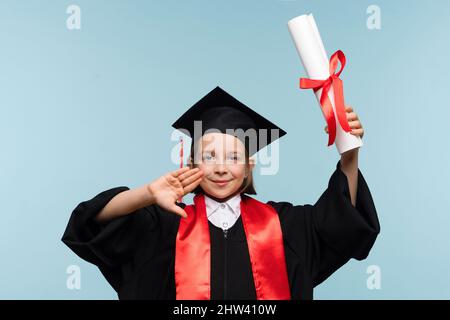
(247, 185)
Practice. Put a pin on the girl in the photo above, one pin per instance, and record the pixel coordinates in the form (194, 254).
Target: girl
(226, 245)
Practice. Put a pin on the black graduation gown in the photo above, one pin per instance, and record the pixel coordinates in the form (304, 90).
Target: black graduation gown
(136, 252)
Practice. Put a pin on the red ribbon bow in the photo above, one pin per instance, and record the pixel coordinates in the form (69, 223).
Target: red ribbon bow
(325, 85)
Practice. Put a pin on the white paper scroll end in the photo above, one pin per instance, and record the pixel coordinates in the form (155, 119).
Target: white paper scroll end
(346, 141)
(307, 40)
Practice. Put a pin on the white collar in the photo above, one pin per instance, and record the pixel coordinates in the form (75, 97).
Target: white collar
(233, 203)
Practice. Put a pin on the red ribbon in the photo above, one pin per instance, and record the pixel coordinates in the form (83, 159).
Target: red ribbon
(338, 88)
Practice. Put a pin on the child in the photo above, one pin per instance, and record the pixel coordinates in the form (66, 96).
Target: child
(227, 245)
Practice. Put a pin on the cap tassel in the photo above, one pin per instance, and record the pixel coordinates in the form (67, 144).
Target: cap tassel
(180, 199)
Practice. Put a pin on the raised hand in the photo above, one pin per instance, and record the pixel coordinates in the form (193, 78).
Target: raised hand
(353, 121)
(173, 185)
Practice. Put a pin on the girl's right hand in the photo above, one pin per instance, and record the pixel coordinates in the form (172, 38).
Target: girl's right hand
(167, 189)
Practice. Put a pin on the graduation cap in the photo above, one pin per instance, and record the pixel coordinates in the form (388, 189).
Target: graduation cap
(222, 112)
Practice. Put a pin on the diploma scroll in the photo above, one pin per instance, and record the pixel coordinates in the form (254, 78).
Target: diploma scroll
(305, 34)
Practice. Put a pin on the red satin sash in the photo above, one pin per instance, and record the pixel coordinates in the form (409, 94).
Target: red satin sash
(265, 243)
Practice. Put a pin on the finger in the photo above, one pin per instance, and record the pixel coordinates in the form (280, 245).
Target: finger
(172, 181)
(192, 178)
(187, 174)
(355, 124)
(177, 210)
(358, 132)
(348, 108)
(326, 129)
(192, 186)
(352, 116)
(176, 173)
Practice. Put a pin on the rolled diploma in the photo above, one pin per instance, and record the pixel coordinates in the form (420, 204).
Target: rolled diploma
(315, 60)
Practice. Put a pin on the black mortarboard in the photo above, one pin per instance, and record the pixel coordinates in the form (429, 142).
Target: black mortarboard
(220, 111)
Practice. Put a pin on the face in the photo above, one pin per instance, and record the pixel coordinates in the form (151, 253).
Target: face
(222, 160)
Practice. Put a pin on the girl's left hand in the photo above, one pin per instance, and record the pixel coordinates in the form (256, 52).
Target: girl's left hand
(353, 122)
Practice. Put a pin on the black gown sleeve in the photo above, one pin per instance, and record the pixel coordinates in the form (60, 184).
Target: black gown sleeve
(332, 231)
(112, 245)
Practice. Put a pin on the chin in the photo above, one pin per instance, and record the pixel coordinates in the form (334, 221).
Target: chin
(220, 194)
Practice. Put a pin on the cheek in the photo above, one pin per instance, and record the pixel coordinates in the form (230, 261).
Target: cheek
(207, 171)
(205, 168)
(205, 185)
(238, 172)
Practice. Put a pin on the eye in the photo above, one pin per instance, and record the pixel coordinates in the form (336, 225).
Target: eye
(208, 157)
(234, 157)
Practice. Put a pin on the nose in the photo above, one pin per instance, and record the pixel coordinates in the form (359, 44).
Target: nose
(220, 169)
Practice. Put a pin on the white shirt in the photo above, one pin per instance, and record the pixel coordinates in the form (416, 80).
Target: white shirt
(223, 214)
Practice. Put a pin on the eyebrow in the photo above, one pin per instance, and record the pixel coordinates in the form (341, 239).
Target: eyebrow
(232, 152)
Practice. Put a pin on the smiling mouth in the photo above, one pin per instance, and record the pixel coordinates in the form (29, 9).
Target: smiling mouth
(221, 182)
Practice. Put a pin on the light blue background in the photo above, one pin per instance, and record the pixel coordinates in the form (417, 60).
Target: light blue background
(86, 110)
